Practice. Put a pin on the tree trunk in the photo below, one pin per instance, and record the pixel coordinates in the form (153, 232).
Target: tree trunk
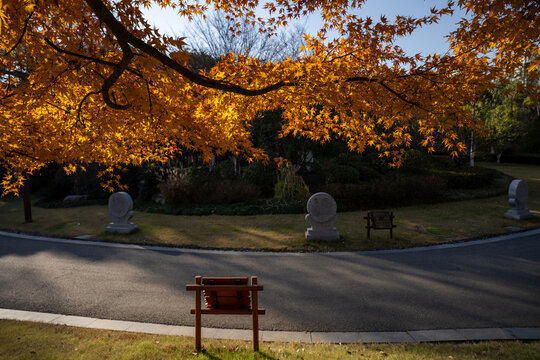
(26, 202)
(499, 157)
(473, 152)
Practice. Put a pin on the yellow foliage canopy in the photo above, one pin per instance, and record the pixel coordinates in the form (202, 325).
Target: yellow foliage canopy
(90, 81)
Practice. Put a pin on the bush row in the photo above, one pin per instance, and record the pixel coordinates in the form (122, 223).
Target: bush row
(530, 159)
(396, 191)
(177, 190)
(468, 178)
(263, 207)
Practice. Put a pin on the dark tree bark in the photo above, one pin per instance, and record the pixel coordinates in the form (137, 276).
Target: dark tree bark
(26, 202)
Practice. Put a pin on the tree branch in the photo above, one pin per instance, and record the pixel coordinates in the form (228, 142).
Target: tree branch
(22, 35)
(149, 95)
(79, 108)
(123, 35)
(58, 107)
(388, 88)
(401, 97)
(111, 80)
(89, 58)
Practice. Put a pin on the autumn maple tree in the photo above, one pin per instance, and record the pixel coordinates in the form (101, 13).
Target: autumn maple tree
(90, 81)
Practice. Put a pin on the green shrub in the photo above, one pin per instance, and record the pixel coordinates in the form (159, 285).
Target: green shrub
(262, 175)
(224, 191)
(468, 178)
(228, 191)
(175, 190)
(343, 174)
(394, 191)
(353, 159)
(250, 208)
(442, 162)
(199, 174)
(415, 161)
(290, 188)
(174, 185)
(532, 159)
(224, 170)
(367, 174)
(426, 188)
(314, 176)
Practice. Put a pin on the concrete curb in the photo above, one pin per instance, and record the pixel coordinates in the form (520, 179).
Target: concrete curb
(413, 336)
(498, 238)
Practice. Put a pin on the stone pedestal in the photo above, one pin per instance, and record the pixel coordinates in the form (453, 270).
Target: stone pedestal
(518, 195)
(321, 216)
(120, 211)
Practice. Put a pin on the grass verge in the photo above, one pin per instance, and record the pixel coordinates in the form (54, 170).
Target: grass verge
(25, 340)
(417, 225)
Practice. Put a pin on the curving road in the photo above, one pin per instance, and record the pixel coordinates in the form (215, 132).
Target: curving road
(483, 284)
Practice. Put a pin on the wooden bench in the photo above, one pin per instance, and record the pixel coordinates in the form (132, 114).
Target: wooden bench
(380, 220)
(226, 296)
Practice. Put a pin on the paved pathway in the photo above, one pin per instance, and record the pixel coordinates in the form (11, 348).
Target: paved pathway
(487, 285)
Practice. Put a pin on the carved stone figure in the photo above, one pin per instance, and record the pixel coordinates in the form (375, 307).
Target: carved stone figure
(321, 216)
(518, 195)
(120, 211)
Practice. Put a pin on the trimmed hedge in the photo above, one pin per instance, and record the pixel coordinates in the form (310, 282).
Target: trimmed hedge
(239, 209)
(531, 159)
(467, 178)
(224, 191)
(343, 174)
(397, 191)
(367, 174)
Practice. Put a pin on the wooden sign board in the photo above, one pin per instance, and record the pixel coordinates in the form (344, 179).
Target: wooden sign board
(381, 220)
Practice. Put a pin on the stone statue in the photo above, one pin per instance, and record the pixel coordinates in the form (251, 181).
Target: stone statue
(518, 194)
(321, 216)
(120, 211)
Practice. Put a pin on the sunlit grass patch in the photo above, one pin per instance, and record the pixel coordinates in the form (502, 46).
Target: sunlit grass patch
(25, 340)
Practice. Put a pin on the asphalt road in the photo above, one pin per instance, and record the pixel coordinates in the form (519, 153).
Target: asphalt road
(485, 285)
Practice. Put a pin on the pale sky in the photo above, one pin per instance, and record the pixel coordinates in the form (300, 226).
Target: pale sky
(428, 40)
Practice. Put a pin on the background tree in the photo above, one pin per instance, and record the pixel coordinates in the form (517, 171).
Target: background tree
(104, 87)
(217, 35)
(508, 116)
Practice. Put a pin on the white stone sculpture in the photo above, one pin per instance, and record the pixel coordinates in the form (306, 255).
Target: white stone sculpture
(518, 194)
(321, 216)
(120, 211)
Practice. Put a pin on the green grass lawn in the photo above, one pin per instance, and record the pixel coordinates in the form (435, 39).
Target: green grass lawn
(24, 340)
(416, 225)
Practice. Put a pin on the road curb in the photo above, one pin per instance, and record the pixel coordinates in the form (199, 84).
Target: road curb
(493, 239)
(412, 336)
